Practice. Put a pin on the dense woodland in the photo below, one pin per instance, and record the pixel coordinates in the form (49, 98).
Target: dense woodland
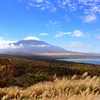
(23, 72)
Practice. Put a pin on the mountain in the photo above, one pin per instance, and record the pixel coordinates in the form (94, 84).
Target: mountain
(31, 46)
(31, 43)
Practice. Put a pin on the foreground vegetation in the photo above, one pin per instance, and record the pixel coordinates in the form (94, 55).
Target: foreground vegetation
(42, 79)
(14, 71)
(85, 88)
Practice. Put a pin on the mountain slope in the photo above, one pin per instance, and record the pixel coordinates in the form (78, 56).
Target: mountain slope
(30, 42)
(32, 46)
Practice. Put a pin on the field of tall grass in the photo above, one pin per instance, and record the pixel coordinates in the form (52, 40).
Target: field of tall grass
(83, 88)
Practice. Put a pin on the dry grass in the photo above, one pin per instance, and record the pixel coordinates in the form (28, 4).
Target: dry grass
(86, 88)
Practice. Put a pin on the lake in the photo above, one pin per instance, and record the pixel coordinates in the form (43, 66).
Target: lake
(84, 60)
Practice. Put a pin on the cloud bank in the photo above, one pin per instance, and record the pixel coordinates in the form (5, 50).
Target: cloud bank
(8, 44)
(5, 44)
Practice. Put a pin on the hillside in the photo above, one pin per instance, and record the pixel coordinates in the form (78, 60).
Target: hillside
(86, 88)
(16, 70)
(28, 78)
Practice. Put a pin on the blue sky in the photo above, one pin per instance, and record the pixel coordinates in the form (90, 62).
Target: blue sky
(71, 24)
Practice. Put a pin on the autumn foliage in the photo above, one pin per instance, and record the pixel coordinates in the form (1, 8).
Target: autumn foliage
(23, 72)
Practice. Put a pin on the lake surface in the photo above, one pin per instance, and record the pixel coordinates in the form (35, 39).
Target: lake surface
(84, 60)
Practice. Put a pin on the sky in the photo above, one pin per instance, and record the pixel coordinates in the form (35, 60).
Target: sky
(71, 24)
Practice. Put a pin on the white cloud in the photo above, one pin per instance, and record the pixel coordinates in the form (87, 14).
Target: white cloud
(82, 1)
(39, 1)
(62, 33)
(62, 4)
(19, 0)
(78, 44)
(72, 6)
(1, 38)
(41, 4)
(8, 44)
(98, 37)
(4, 44)
(85, 2)
(95, 8)
(88, 8)
(98, 29)
(91, 9)
(89, 18)
(44, 34)
(67, 18)
(52, 23)
(40, 45)
(31, 38)
(78, 33)
(53, 9)
(68, 5)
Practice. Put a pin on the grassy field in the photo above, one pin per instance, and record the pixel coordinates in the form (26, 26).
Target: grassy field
(42, 79)
(85, 88)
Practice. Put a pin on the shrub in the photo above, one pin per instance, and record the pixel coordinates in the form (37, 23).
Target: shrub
(36, 77)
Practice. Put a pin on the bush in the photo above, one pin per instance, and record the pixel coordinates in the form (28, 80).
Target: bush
(36, 77)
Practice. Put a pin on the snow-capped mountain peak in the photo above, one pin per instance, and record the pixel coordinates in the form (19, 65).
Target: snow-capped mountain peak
(32, 38)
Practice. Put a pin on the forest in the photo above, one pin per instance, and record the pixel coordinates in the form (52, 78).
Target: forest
(17, 70)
